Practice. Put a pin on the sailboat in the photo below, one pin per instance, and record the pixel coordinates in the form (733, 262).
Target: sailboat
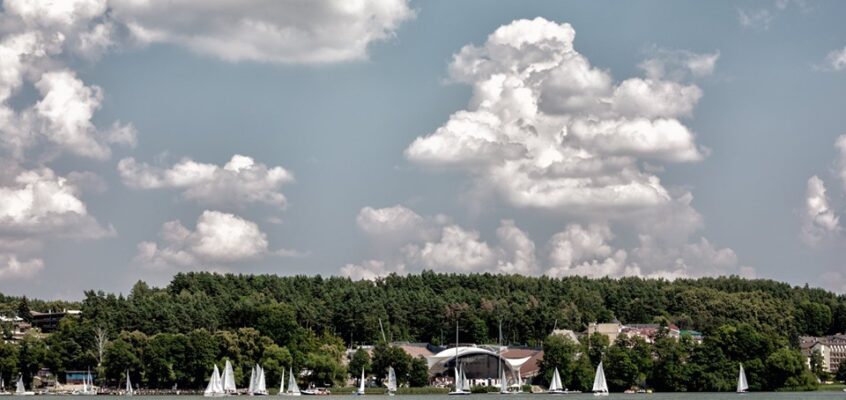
(600, 387)
(519, 382)
(215, 387)
(260, 387)
(282, 382)
(88, 385)
(360, 391)
(460, 379)
(503, 382)
(555, 387)
(293, 389)
(392, 381)
(742, 385)
(228, 379)
(128, 385)
(20, 389)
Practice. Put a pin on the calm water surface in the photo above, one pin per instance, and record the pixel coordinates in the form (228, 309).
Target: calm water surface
(656, 396)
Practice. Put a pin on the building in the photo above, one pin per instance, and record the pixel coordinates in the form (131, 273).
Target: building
(831, 348)
(48, 322)
(610, 329)
(16, 327)
(566, 333)
(481, 364)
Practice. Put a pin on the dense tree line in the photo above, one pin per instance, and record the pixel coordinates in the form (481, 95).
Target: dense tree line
(172, 335)
(676, 365)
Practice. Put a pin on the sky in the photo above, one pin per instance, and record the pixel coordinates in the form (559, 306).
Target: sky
(361, 138)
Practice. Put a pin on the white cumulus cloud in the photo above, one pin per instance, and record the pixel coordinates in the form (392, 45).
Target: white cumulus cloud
(299, 31)
(218, 241)
(836, 59)
(818, 219)
(240, 182)
(547, 130)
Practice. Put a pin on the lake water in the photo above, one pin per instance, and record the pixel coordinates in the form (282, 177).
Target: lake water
(584, 396)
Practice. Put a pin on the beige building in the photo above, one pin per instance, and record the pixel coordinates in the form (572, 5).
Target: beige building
(831, 348)
(610, 329)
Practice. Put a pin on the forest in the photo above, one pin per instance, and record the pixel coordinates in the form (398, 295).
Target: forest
(172, 335)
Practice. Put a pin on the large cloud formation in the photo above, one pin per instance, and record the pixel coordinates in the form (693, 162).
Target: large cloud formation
(299, 31)
(239, 182)
(579, 249)
(218, 241)
(547, 130)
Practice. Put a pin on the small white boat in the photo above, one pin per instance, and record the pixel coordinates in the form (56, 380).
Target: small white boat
(742, 385)
(129, 391)
(228, 379)
(293, 389)
(215, 387)
(460, 380)
(20, 389)
(392, 381)
(600, 386)
(360, 391)
(258, 387)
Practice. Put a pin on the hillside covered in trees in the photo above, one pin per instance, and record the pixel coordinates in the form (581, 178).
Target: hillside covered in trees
(172, 335)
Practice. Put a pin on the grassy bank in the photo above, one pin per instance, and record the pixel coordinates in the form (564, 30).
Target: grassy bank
(402, 390)
(836, 387)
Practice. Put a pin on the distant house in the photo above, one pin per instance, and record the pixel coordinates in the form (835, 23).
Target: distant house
(16, 326)
(610, 329)
(48, 322)
(566, 333)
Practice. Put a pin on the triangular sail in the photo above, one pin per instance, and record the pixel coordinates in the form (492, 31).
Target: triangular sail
(392, 379)
(19, 387)
(128, 384)
(252, 387)
(599, 384)
(742, 385)
(503, 382)
(215, 386)
(361, 382)
(555, 385)
(261, 385)
(282, 382)
(228, 379)
(465, 384)
(292, 383)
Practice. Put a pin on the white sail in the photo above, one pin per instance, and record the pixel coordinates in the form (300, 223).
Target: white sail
(19, 387)
(292, 384)
(261, 385)
(742, 385)
(252, 387)
(599, 384)
(392, 380)
(215, 387)
(282, 382)
(128, 384)
(361, 383)
(228, 379)
(465, 384)
(503, 383)
(555, 385)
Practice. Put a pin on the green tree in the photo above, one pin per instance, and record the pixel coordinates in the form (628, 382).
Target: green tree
(275, 361)
(786, 369)
(360, 362)
(558, 352)
(385, 356)
(841, 372)
(621, 370)
(419, 374)
(23, 310)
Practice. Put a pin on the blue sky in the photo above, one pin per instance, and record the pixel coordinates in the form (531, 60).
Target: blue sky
(660, 139)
